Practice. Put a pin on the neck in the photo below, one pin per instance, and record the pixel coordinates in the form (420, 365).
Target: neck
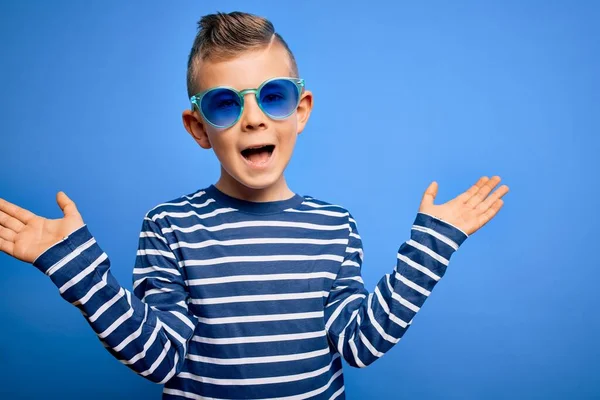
(275, 192)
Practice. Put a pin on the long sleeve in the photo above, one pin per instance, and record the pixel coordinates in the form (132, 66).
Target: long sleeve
(148, 331)
(363, 326)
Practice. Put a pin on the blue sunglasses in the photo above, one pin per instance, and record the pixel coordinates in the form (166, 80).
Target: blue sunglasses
(223, 106)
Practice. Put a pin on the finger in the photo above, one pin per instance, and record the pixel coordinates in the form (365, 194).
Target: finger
(429, 195)
(483, 192)
(15, 211)
(9, 222)
(66, 204)
(7, 234)
(7, 247)
(483, 207)
(464, 197)
(490, 212)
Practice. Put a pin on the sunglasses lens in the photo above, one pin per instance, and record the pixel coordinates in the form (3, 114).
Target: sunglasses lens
(221, 107)
(279, 98)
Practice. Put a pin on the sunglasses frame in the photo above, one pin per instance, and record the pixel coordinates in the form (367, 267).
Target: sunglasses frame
(196, 99)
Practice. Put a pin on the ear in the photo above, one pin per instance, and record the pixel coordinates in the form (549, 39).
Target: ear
(193, 123)
(304, 108)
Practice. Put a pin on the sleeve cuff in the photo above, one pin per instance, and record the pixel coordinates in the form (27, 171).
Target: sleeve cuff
(444, 228)
(61, 253)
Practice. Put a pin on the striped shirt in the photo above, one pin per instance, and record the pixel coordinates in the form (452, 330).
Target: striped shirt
(235, 299)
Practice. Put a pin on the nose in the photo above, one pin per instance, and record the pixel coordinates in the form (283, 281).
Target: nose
(253, 117)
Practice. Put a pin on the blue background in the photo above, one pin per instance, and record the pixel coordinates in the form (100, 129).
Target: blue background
(405, 93)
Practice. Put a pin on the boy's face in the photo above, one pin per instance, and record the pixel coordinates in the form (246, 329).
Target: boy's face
(254, 128)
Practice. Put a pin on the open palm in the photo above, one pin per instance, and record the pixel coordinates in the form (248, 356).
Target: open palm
(470, 210)
(25, 235)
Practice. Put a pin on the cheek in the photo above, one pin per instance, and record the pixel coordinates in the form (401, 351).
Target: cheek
(222, 145)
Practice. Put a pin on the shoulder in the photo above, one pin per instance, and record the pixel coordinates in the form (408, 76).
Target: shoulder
(313, 203)
(183, 203)
(327, 208)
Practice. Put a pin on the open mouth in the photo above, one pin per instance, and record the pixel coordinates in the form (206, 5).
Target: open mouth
(258, 155)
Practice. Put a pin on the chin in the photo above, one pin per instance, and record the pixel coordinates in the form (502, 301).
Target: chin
(260, 182)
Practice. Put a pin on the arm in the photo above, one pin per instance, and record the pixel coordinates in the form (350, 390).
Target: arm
(150, 335)
(363, 326)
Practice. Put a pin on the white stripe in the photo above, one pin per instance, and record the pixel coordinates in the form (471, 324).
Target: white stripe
(198, 194)
(107, 305)
(333, 302)
(260, 297)
(155, 268)
(172, 332)
(278, 257)
(158, 360)
(236, 242)
(315, 205)
(355, 250)
(301, 396)
(259, 339)
(352, 278)
(350, 263)
(261, 318)
(337, 393)
(257, 381)
(412, 285)
(148, 234)
(158, 278)
(320, 212)
(77, 278)
(260, 278)
(338, 288)
(191, 213)
(384, 305)
(172, 371)
(437, 235)
(181, 203)
(418, 267)
(254, 224)
(399, 298)
(378, 327)
(134, 335)
(342, 335)
(427, 250)
(70, 256)
(147, 345)
(154, 252)
(119, 321)
(258, 360)
(156, 291)
(339, 309)
(355, 353)
(369, 346)
(183, 319)
(315, 391)
(93, 290)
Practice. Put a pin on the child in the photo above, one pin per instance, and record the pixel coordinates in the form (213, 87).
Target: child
(244, 288)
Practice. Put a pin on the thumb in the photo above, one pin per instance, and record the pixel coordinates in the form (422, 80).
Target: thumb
(66, 204)
(429, 195)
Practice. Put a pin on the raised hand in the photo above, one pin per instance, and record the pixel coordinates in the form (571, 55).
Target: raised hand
(470, 210)
(25, 236)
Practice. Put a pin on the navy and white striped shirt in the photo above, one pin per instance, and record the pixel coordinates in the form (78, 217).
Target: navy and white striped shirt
(235, 299)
